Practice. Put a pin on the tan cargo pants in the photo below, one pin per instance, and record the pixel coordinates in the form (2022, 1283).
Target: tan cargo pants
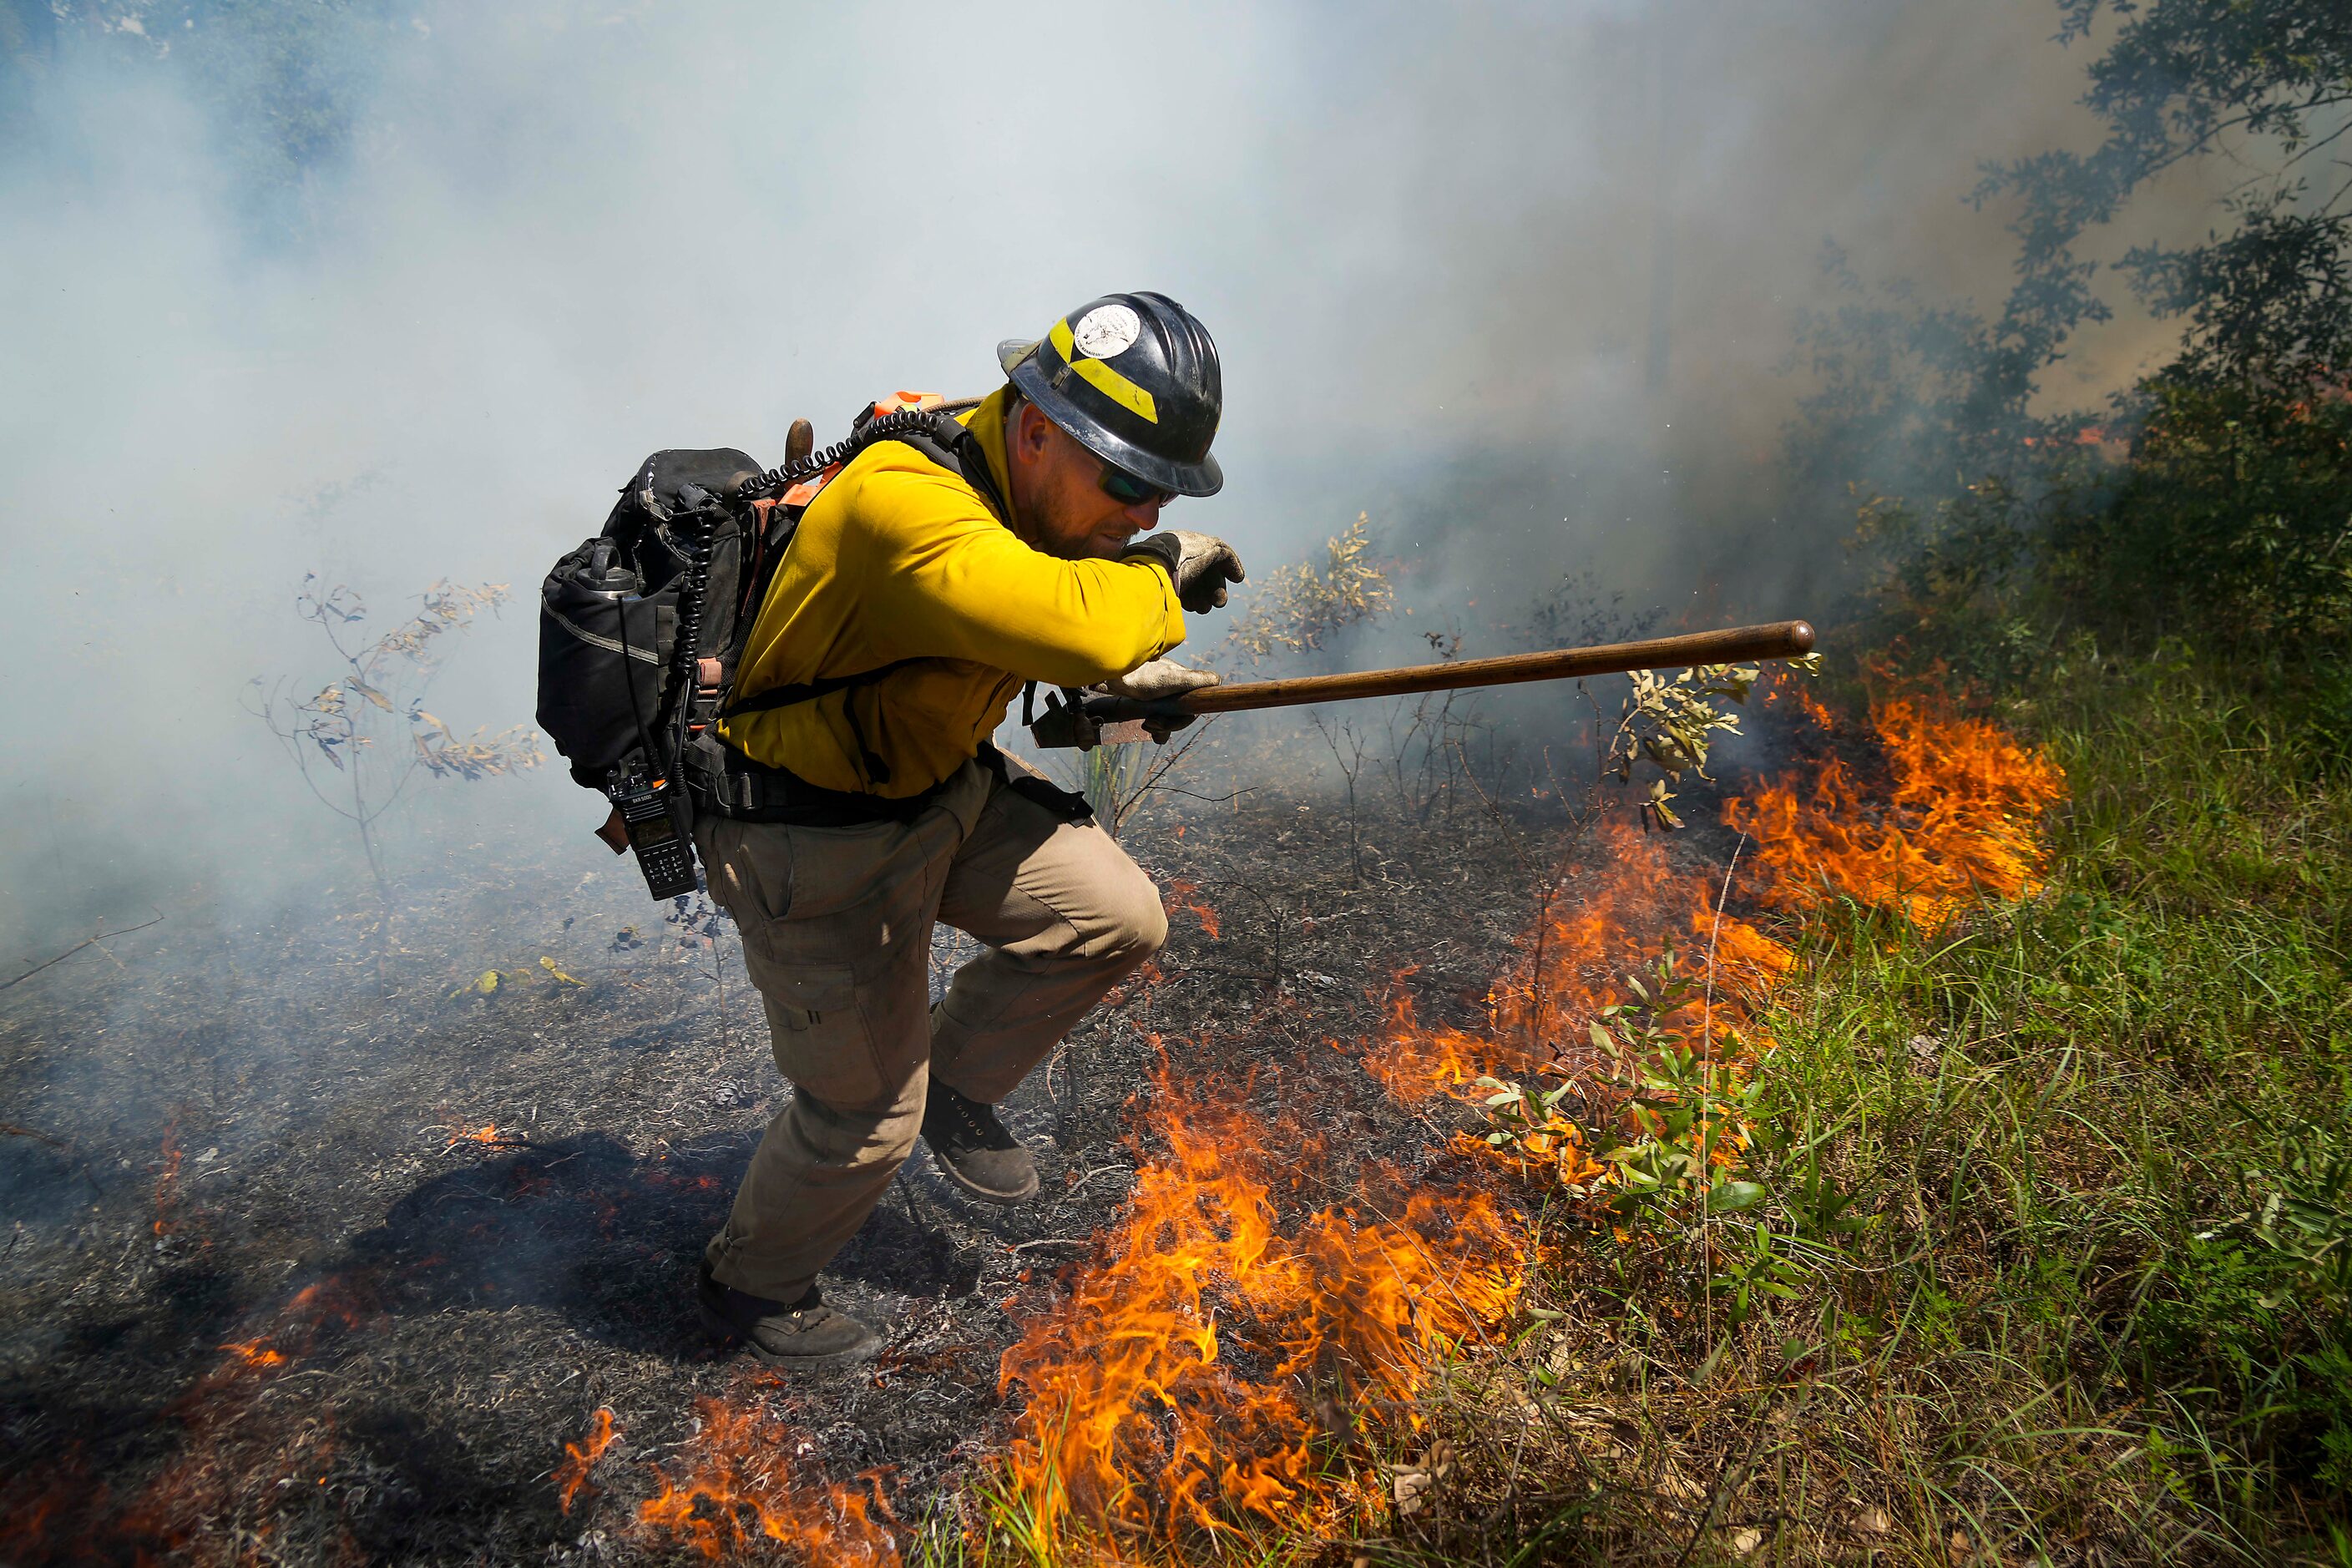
(836, 925)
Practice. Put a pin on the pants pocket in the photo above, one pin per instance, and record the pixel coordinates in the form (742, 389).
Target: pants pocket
(749, 867)
(836, 935)
(823, 1042)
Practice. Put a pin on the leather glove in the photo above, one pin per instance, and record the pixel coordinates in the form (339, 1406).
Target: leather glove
(1200, 564)
(1157, 680)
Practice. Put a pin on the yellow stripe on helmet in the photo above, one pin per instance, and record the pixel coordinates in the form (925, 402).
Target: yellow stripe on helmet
(1099, 375)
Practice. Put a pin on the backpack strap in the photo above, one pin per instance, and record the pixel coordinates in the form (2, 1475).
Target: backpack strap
(959, 451)
(809, 690)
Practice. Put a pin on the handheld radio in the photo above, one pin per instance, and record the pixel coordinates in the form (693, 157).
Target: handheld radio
(663, 855)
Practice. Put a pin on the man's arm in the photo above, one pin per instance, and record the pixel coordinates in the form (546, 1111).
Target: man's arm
(1200, 564)
(946, 579)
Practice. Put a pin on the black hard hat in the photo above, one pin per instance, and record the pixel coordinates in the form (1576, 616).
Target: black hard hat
(1134, 378)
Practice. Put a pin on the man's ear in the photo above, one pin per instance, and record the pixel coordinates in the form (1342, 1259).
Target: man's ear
(1031, 433)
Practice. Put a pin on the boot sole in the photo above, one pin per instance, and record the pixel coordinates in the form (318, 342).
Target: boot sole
(1002, 1200)
(719, 1329)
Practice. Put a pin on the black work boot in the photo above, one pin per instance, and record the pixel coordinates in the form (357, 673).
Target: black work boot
(975, 1150)
(805, 1333)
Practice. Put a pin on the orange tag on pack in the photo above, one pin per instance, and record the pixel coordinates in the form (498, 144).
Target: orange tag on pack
(806, 490)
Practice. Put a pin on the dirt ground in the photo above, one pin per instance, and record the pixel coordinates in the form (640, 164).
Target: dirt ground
(317, 1256)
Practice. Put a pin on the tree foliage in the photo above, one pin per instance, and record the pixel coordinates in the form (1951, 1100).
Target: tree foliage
(2214, 499)
(2269, 303)
(2261, 81)
(2231, 524)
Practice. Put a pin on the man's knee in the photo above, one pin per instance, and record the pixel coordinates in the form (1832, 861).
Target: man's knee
(1134, 923)
(878, 1135)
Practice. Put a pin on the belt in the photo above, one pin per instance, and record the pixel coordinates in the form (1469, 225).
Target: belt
(726, 782)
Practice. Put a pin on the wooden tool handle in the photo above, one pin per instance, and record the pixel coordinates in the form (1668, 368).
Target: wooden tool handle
(1782, 639)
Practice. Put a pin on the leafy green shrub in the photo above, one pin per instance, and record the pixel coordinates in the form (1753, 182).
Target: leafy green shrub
(1300, 609)
(2231, 524)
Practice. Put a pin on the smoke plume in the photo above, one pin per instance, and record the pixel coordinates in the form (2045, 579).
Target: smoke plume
(391, 293)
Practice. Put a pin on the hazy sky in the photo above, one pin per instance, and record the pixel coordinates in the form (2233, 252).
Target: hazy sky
(547, 237)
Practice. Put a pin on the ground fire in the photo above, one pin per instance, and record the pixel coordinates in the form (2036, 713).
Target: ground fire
(743, 1483)
(1253, 1332)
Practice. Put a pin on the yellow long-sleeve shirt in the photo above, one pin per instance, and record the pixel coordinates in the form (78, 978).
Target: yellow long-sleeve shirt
(899, 558)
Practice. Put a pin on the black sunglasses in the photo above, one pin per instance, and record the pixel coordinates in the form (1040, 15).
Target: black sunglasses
(1127, 491)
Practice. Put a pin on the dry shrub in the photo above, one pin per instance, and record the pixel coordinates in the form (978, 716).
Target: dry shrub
(1300, 609)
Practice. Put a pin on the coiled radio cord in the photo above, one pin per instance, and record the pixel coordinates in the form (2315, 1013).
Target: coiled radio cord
(882, 427)
(692, 533)
(693, 543)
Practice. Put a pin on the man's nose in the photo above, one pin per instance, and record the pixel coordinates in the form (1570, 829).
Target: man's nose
(1145, 515)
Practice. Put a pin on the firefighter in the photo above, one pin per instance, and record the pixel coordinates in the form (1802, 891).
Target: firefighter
(924, 588)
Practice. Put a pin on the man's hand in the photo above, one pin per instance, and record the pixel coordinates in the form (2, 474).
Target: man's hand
(1200, 564)
(1159, 680)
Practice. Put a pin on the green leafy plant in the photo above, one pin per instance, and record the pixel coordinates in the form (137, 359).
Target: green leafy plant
(2304, 1221)
(1692, 1166)
(1683, 1110)
(1672, 721)
(1540, 1126)
(1301, 609)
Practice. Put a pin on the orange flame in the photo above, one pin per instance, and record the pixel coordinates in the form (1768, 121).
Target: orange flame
(1180, 894)
(1592, 932)
(1810, 705)
(572, 1474)
(490, 1133)
(254, 1353)
(293, 1330)
(66, 1497)
(1203, 1369)
(237, 1450)
(167, 1179)
(1170, 1391)
(738, 1492)
(1960, 823)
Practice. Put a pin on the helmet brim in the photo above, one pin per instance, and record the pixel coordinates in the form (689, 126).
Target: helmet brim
(1019, 358)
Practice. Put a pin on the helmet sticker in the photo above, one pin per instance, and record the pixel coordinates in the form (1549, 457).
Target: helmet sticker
(1106, 331)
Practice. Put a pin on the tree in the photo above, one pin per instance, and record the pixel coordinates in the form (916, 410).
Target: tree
(2225, 516)
(2267, 83)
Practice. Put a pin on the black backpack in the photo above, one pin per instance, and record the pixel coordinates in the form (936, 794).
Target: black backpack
(609, 610)
(636, 622)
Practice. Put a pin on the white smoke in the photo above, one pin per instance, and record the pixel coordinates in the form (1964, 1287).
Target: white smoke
(1516, 276)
